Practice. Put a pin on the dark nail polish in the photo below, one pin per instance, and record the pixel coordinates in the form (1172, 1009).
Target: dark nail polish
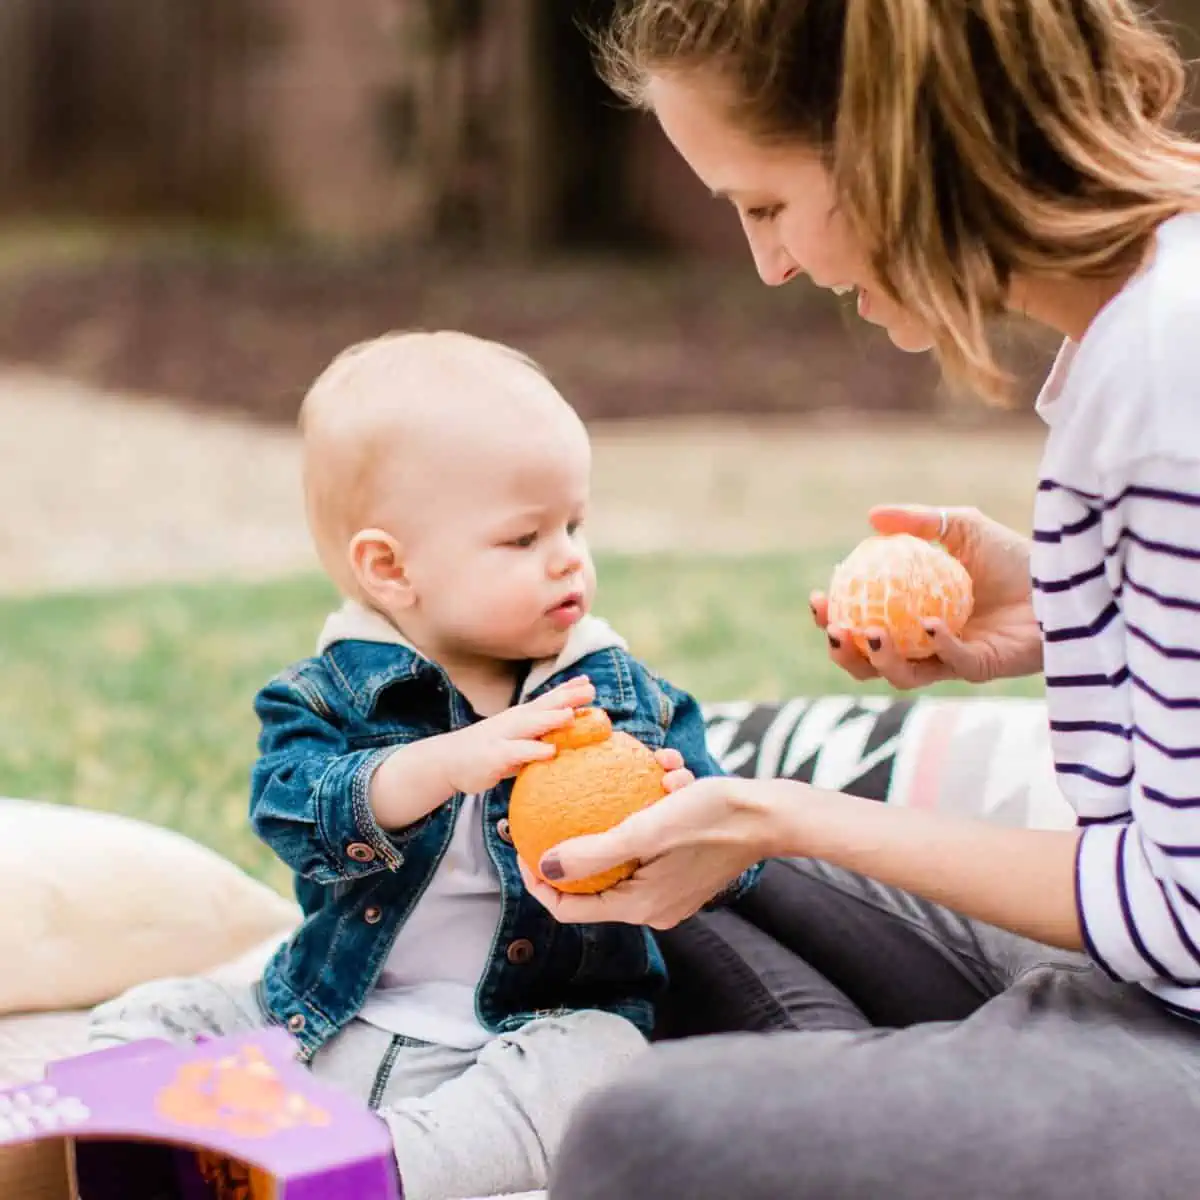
(551, 867)
(931, 630)
(875, 644)
(835, 642)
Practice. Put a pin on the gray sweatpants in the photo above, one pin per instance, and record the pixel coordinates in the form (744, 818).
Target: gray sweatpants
(929, 1058)
(463, 1122)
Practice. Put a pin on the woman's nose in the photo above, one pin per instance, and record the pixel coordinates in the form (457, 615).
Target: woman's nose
(773, 263)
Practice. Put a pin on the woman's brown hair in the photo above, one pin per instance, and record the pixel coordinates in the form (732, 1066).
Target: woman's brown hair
(968, 140)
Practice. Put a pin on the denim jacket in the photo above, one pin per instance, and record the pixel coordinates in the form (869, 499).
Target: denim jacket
(326, 725)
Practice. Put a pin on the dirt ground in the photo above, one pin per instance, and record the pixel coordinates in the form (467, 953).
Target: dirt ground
(246, 331)
(105, 490)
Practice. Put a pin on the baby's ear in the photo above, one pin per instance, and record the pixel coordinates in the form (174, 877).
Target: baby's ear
(377, 563)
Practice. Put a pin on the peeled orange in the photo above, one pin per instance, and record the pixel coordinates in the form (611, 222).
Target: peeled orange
(897, 583)
(595, 780)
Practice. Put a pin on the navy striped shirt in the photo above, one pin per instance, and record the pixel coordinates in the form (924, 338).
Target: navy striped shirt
(1116, 564)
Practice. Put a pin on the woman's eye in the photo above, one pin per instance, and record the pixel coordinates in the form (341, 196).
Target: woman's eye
(764, 212)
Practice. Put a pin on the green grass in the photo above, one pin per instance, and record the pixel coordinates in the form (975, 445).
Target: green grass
(140, 701)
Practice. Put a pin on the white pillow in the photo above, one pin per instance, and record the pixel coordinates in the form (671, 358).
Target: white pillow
(92, 903)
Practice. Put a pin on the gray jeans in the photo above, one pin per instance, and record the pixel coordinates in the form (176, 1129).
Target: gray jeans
(463, 1122)
(929, 1058)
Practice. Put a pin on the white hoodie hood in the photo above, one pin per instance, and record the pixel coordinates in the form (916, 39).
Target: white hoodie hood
(354, 622)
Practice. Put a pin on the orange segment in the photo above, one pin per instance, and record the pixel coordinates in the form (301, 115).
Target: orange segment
(897, 583)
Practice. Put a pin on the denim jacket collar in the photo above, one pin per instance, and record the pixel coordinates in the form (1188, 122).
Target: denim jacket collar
(371, 655)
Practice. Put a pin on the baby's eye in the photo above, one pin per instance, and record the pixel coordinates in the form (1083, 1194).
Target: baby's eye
(524, 542)
(573, 527)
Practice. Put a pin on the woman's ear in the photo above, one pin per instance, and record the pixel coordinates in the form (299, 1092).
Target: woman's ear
(377, 563)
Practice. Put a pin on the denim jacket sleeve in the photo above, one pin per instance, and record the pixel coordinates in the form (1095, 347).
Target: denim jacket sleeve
(310, 793)
(688, 735)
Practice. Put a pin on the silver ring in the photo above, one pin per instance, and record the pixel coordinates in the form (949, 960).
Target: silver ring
(944, 526)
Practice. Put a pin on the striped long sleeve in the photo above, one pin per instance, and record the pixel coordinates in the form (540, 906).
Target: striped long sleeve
(1118, 592)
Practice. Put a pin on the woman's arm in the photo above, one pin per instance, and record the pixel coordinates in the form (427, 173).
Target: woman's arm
(1020, 879)
(694, 841)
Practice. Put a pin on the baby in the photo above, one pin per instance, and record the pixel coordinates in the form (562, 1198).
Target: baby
(447, 488)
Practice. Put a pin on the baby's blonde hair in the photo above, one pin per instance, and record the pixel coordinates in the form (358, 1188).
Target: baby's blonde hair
(361, 413)
(968, 140)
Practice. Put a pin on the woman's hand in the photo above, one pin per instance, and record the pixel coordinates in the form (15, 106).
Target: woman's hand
(1001, 640)
(691, 844)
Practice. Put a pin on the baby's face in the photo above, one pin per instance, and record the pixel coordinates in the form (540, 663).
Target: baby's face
(499, 562)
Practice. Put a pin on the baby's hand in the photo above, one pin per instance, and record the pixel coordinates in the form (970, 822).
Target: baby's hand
(480, 756)
(677, 775)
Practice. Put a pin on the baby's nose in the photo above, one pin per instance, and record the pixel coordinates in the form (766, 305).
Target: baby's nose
(566, 563)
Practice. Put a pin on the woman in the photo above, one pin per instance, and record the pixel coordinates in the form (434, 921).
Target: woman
(992, 1011)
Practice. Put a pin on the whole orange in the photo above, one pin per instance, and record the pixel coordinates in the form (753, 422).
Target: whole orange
(897, 583)
(595, 780)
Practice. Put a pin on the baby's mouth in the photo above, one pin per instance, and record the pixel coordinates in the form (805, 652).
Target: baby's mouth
(568, 610)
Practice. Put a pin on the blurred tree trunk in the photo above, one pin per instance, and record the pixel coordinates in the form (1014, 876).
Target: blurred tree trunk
(112, 107)
(441, 83)
(478, 82)
(1182, 18)
(529, 168)
(16, 90)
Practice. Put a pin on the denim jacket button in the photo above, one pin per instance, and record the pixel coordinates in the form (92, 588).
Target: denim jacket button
(503, 830)
(520, 952)
(373, 914)
(296, 1022)
(360, 852)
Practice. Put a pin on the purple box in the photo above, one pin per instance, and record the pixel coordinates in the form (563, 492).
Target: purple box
(229, 1119)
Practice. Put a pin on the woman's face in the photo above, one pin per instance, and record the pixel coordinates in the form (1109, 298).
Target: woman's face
(784, 198)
